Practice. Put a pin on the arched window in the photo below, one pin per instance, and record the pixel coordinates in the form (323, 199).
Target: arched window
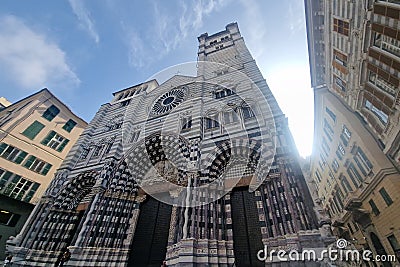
(247, 112)
(134, 136)
(85, 152)
(187, 123)
(231, 116)
(211, 121)
(97, 151)
(115, 123)
(223, 92)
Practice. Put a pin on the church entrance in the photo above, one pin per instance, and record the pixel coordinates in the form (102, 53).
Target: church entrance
(246, 228)
(149, 244)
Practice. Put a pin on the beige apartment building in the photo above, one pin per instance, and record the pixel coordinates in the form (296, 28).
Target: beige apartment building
(354, 53)
(36, 134)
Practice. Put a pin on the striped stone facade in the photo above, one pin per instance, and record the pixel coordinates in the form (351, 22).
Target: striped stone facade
(105, 204)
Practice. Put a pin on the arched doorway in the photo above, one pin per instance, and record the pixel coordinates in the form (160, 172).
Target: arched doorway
(149, 244)
(246, 229)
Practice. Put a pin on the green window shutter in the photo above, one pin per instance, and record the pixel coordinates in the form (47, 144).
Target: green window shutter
(388, 200)
(48, 138)
(28, 197)
(374, 208)
(63, 144)
(29, 162)
(50, 113)
(35, 186)
(46, 168)
(16, 178)
(4, 179)
(2, 147)
(21, 157)
(33, 130)
(69, 125)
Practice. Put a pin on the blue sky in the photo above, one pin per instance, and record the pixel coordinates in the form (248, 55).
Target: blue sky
(84, 50)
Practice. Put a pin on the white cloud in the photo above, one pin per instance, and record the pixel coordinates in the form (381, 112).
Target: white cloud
(295, 18)
(255, 27)
(136, 47)
(30, 59)
(193, 15)
(168, 31)
(84, 18)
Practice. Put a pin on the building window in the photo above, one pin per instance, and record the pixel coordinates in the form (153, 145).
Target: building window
(186, 123)
(331, 176)
(318, 175)
(247, 112)
(33, 130)
(374, 208)
(55, 141)
(341, 26)
(331, 114)
(388, 200)
(4, 177)
(354, 175)
(387, 43)
(125, 103)
(335, 165)
(339, 195)
(350, 228)
(225, 38)
(50, 113)
(339, 83)
(69, 125)
(340, 58)
(381, 83)
(223, 93)
(325, 146)
(382, 116)
(85, 153)
(345, 135)
(394, 243)
(8, 218)
(115, 123)
(323, 159)
(221, 72)
(340, 152)
(362, 162)
(135, 136)
(37, 165)
(12, 153)
(328, 130)
(212, 122)
(231, 116)
(345, 184)
(108, 148)
(15, 186)
(97, 151)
